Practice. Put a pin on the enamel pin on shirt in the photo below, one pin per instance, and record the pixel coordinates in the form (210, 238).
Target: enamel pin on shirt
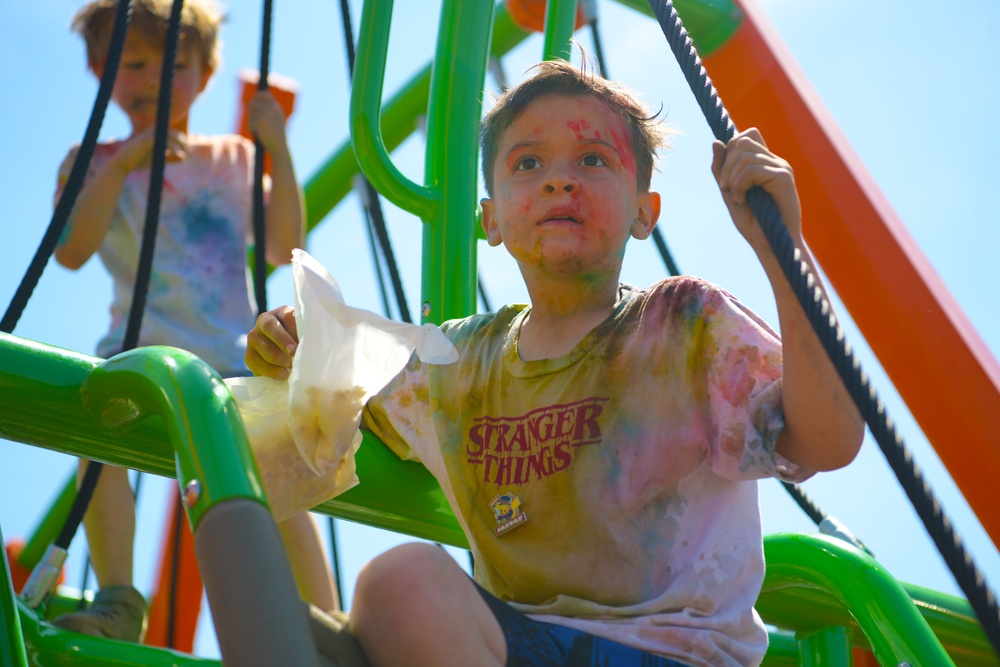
(507, 511)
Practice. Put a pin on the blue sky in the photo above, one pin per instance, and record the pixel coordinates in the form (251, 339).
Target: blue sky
(912, 85)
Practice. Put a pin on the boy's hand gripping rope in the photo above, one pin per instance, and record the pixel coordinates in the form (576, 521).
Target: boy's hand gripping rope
(817, 308)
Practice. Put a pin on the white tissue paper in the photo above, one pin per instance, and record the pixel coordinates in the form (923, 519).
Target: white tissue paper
(304, 430)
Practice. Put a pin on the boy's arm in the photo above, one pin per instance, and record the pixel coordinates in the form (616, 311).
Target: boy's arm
(95, 206)
(284, 217)
(823, 428)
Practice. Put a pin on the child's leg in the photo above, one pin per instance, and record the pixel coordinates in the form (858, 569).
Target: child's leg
(110, 526)
(415, 606)
(313, 576)
(118, 610)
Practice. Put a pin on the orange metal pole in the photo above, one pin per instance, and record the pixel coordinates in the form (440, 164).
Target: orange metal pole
(187, 603)
(936, 359)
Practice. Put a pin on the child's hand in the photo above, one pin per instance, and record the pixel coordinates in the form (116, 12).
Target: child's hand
(272, 342)
(137, 151)
(744, 163)
(267, 121)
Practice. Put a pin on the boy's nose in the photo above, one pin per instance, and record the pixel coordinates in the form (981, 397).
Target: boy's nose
(558, 183)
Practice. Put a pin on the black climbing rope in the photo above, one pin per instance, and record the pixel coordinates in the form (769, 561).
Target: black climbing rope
(361, 187)
(794, 490)
(817, 307)
(76, 175)
(335, 559)
(51, 238)
(370, 197)
(158, 166)
(259, 233)
(68, 199)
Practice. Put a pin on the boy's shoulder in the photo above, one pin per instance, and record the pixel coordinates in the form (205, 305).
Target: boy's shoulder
(478, 321)
(482, 326)
(691, 298)
(683, 288)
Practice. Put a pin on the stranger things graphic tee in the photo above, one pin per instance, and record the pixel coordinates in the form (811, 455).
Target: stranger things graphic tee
(616, 482)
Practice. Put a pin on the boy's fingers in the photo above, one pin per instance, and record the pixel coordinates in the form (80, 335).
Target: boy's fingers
(286, 316)
(274, 337)
(261, 367)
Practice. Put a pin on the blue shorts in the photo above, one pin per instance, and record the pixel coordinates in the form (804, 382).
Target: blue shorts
(532, 643)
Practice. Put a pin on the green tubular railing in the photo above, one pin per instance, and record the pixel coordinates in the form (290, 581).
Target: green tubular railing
(41, 404)
(560, 20)
(710, 23)
(205, 440)
(817, 584)
(447, 202)
(12, 651)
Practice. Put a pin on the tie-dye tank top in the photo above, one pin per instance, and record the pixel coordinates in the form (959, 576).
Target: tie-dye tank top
(200, 296)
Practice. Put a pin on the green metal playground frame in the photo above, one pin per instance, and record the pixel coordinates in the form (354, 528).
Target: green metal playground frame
(162, 411)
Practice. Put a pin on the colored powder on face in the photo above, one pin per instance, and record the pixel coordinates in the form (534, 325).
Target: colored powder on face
(624, 149)
(578, 126)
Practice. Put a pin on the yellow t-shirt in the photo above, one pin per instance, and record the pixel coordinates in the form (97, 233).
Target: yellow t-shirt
(612, 489)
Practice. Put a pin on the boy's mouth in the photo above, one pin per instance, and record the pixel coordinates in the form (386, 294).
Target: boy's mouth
(556, 215)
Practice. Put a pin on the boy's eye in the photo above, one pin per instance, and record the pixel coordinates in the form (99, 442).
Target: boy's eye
(525, 164)
(594, 160)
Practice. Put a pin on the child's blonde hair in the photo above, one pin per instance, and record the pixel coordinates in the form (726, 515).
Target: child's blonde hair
(200, 21)
(558, 77)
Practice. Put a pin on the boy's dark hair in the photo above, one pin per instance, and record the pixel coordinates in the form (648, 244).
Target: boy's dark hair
(558, 77)
(200, 21)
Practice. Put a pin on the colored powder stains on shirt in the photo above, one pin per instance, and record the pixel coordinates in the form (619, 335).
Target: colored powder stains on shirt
(199, 296)
(633, 457)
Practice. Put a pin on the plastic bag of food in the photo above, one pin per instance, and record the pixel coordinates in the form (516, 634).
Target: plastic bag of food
(308, 424)
(290, 484)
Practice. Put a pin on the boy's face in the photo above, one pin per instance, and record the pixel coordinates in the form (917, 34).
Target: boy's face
(564, 184)
(137, 85)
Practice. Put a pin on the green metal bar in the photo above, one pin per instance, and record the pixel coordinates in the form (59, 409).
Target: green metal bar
(214, 460)
(956, 626)
(709, 23)
(951, 618)
(449, 235)
(885, 613)
(366, 100)
(52, 647)
(782, 650)
(332, 181)
(12, 651)
(41, 404)
(830, 647)
(48, 529)
(560, 22)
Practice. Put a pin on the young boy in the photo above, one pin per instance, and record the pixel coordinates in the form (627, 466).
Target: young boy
(198, 295)
(600, 446)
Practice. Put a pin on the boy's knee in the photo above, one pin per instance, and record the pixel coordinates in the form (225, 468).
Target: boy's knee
(408, 568)
(407, 562)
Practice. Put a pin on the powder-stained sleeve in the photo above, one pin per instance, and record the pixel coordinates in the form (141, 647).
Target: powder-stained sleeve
(393, 415)
(743, 384)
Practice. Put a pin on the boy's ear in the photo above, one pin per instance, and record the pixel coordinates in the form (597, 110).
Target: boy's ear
(647, 213)
(490, 226)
